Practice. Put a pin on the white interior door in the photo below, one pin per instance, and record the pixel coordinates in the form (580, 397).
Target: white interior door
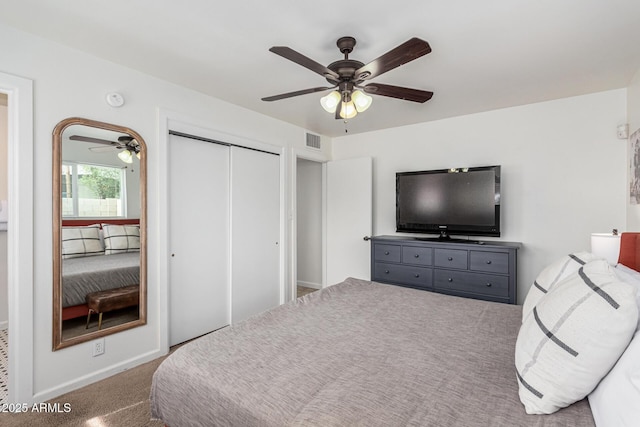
(349, 219)
(198, 238)
(255, 232)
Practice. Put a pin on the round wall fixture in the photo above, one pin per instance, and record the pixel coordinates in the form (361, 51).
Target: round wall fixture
(115, 99)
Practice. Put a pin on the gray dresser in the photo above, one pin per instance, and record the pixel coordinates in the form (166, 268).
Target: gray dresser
(484, 270)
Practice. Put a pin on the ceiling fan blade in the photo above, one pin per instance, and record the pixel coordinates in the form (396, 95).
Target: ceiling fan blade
(104, 149)
(296, 93)
(300, 59)
(91, 139)
(406, 52)
(408, 94)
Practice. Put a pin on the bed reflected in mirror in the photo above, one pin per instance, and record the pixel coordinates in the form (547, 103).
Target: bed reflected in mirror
(99, 230)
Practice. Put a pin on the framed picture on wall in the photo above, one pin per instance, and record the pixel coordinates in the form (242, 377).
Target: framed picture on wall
(634, 164)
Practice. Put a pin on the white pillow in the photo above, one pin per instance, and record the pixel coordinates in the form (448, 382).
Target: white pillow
(80, 242)
(615, 402)
(575, 335)
(551, 275)
(632, 277)
(100, 233)
(121, 238)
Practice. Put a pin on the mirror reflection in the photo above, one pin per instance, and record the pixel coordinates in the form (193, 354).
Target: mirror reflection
(99, 230)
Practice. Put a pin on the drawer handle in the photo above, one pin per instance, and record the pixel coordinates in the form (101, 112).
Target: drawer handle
(450, 259)
(386, 252)
(417, 275)
(449, 279)
(417, 256)
(489, 262)
(488, 285)
(386, 272)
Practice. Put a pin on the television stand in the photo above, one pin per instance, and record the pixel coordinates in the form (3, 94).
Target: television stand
(484, 270)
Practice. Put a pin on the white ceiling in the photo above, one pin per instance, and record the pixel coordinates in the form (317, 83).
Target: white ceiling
(486, 54)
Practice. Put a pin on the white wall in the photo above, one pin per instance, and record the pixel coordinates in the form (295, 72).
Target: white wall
(563, 169)
(309, 223)
(633, 118)
(69, 83)
(4, 189)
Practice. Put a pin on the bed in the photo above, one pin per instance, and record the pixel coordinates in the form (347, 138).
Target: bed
(358, 353)
(81, 276)
(86, 273)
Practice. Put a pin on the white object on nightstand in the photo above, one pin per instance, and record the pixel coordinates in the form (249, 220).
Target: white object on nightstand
(607, 246)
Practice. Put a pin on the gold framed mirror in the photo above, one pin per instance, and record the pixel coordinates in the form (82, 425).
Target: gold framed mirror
(99, 231)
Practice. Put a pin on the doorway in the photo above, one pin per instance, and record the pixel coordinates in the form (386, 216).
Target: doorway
(309, 226)
(19, 236)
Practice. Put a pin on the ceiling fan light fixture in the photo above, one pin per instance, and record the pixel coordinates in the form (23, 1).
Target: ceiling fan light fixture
(348, 110)
(347, 74)
(125, 156)
(361, 100)
(331, 101)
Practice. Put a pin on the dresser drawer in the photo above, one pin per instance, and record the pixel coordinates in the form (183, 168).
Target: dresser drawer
(474, 283)
(416, 255)
(451, 258)
(491, 262)
(390, 253)
(403, 274)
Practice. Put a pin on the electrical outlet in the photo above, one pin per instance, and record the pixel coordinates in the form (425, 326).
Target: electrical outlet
(98, 347)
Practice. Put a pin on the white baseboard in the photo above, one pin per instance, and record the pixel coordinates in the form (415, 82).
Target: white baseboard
(4, 325)
(53, 392)
(309, 284)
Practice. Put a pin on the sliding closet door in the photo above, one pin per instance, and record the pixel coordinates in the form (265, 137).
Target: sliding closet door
(255, 232)
(199, 238)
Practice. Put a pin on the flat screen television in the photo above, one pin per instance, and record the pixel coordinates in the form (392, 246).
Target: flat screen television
(460, 201)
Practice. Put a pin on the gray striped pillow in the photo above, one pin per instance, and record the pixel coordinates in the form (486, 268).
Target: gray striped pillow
(81, 241)
(121, 238)
(574, 336)
(551, 275)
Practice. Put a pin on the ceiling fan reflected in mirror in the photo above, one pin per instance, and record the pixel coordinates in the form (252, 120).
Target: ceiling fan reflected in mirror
(126, 144)
(347, 76)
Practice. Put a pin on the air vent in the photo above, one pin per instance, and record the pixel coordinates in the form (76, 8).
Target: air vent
(313, 141)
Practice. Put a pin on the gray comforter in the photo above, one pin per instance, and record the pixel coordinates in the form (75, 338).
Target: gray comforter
(355, 354)
(84, 275)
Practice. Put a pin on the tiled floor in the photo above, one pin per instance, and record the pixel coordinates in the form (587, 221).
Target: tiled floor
(4, 365)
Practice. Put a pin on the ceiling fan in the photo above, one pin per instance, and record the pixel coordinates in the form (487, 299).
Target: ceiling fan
(126, 143)
(347, 76)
